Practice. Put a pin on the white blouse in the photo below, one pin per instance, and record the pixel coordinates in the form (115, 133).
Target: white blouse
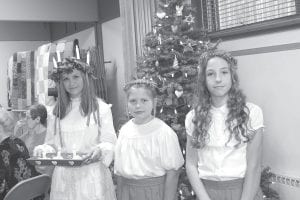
(147, 150)
(220, 160)
(76, 135)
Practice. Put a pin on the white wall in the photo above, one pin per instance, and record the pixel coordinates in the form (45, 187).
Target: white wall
(272, 81)
(7, 49)
(113, 51)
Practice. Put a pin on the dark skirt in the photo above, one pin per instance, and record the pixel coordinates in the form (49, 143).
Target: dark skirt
(140, 189)
(227, 190)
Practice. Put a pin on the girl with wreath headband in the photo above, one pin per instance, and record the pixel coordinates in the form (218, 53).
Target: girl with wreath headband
(224, 134)
(148, 158)
(82, 123)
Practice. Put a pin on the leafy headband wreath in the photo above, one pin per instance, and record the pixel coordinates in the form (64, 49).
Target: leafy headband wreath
(67, 66)
(143, 81)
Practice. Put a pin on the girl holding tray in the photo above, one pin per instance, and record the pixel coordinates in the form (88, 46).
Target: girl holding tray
(83, 123)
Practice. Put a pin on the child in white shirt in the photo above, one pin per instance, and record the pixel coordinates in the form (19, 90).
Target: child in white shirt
(224, 134)
(147, 153)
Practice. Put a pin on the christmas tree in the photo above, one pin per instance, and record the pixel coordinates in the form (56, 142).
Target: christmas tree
(171, 53)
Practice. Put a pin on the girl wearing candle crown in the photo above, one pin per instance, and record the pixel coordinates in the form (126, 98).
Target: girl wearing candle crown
(224, 134)
(147, 154)
(83, 124)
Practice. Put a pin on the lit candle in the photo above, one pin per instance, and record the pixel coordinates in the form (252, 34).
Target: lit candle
(54, 63)
(58, 56)
(44, 156)
(77, 52)
(59, 156)
(161, 110)
(88, 58)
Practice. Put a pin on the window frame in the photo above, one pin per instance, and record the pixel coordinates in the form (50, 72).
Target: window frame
(255, 28)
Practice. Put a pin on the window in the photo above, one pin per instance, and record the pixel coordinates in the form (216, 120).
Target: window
(220, 15)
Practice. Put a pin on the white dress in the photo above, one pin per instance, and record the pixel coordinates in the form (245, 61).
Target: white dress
(87, 182)
(147, 150)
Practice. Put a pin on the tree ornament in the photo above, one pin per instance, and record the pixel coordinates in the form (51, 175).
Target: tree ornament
(179, 10)
(159, 38)
(157, 63)
(178, 90)
(160, 15)
(189, 19)
(154, 30)
(178, 93)
(168, 101)
(174, 28)
(188, 48)
(175, 63)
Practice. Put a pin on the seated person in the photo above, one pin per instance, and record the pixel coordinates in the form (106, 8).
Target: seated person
(7, 124)
(32, 129)
(13, 165)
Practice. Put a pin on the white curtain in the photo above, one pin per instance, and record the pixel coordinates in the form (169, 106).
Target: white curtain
(136, 16)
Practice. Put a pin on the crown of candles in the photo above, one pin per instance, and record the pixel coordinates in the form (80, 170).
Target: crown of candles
(67, 65)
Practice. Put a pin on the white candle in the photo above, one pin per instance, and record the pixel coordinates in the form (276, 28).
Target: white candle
(88, 58)
(44, 156)
(58, 56)
(77, 52)
(54, 63)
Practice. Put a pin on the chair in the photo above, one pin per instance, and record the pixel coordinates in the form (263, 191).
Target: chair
(29, 188)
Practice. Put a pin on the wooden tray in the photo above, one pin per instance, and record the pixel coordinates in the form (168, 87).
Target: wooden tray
(51, 160)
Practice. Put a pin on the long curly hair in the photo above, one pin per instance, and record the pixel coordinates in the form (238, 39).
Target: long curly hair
(238, 115)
